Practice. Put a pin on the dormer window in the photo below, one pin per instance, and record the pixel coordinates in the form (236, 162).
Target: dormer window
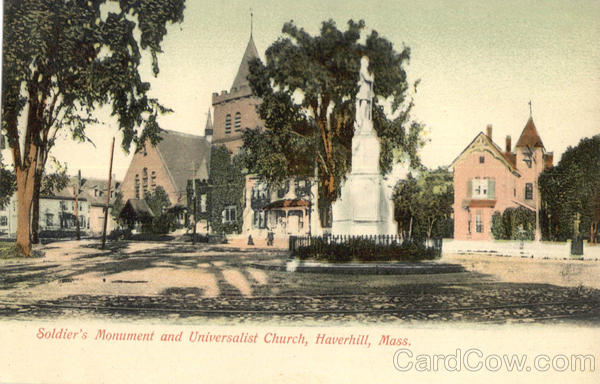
(481, 159)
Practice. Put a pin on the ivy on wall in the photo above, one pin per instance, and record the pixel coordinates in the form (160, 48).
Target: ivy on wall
(225, 189)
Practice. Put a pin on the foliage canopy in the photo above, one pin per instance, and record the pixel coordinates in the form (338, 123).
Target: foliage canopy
(64, 59)
(308, 87)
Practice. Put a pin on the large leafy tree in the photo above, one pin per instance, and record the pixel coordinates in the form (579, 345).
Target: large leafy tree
(64, 59)
(423, 205)
(308, 87)
(406, 204)
(436, 199)
(8, 185)
(571, 189)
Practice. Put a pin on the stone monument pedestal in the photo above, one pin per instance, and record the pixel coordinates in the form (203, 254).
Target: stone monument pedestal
(364, 206)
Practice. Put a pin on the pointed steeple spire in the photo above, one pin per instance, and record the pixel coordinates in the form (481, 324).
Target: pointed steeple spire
(241, 79)
(530, 136)
(251, 22)
(208, 129)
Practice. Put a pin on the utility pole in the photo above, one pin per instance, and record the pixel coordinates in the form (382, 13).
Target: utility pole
(112, 148)
(538, 230)
(76, 208)
(194, 201)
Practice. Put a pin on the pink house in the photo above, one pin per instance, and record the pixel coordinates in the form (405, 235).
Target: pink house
(488, 178)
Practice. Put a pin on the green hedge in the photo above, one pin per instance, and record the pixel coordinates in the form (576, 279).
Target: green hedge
(61, 234)
(365, 250)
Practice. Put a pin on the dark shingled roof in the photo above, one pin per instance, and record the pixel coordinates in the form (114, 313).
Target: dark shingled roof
(511, 157)
(241, 79)
(182, 152)
(67, 193)
(287, 203)
(101, 185)
(529, 136)
(136, 210)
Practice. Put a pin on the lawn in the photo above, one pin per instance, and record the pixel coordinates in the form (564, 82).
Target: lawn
(8, 250)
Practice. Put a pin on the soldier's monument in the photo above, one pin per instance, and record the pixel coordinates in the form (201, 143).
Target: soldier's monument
(364, 206)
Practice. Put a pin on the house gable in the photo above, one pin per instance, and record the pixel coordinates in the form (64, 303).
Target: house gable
(482, 143)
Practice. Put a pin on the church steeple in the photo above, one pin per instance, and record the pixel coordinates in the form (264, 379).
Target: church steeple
(241, 79)
(208, 129)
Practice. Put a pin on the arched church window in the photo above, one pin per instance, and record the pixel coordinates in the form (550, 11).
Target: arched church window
(228, 124)
(145, 181)
(137, 186)
(238, 122)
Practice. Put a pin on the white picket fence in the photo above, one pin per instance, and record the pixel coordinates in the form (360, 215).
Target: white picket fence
(539, 250)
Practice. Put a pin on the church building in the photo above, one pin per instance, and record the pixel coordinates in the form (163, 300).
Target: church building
(235, 110)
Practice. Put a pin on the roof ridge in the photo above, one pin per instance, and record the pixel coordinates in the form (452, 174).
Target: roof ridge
(170, 131)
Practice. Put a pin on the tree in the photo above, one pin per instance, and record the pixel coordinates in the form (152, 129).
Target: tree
(164, 220)
(435, 200)
(117, 206)
(423, 205)
(406, 204)
(308, 87)
(64, 59)
(8, 185)
(157, 200)
(572, 188)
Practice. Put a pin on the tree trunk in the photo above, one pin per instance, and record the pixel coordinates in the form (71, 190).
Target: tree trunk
(25, 191)
(35, 216)
(410, 228)
(76, 193)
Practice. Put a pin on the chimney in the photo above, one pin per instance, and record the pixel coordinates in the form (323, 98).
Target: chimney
(489, 131)
(508, 143)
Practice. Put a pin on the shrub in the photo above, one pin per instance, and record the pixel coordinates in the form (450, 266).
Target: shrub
(513, 224)
(120, 234)
(61, 234)
(366, 250)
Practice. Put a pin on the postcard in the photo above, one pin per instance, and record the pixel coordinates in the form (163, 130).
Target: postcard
(299, 192)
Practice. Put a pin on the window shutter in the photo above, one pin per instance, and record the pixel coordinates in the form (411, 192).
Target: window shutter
(492, 189)
(469, 188)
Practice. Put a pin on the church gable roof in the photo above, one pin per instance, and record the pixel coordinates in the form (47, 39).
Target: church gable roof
(181, 153)
(241, 79)
(530, 137)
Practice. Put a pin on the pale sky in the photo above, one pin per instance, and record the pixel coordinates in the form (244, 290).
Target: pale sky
(479, 64)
